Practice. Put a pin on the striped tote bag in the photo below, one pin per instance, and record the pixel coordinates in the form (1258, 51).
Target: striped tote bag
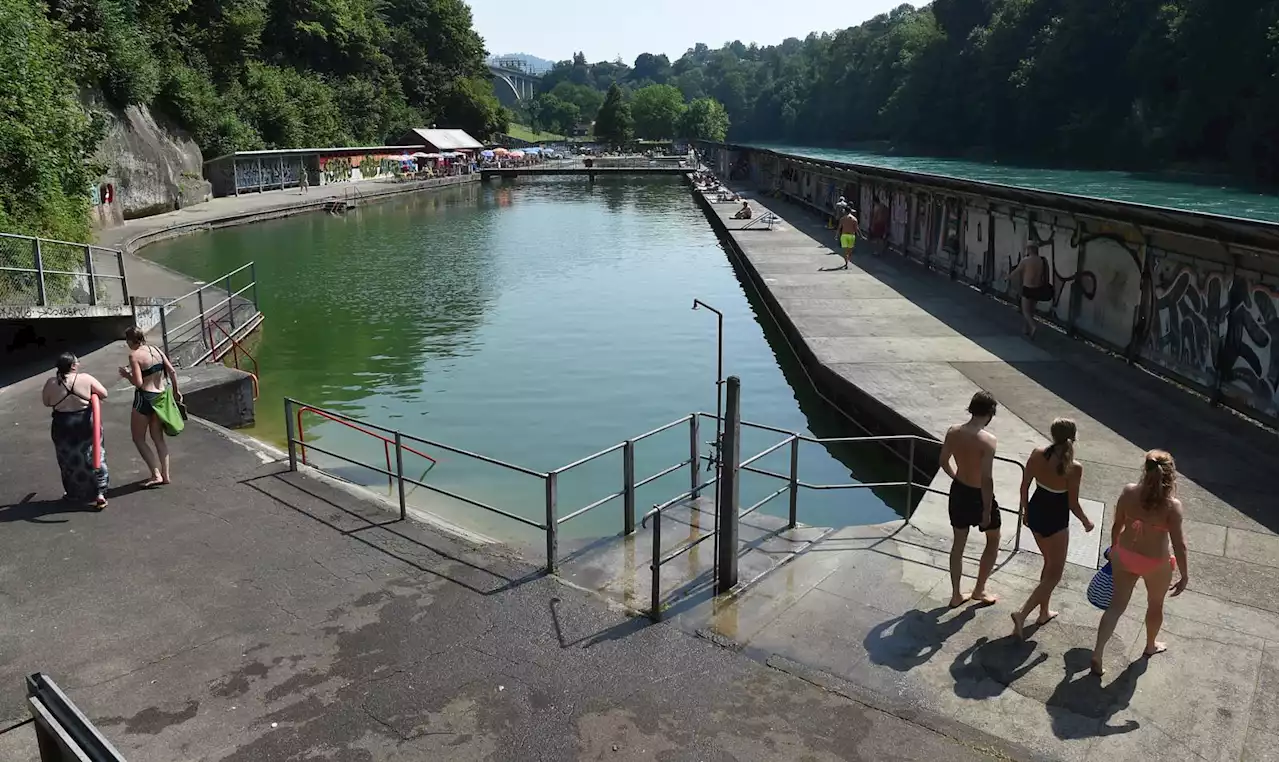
(1100, 587)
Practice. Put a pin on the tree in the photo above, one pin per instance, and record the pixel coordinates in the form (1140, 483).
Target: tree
(587, 99)
(613, 122)
(471, 105)
(656, 110)
(652, 68)
(705, 119)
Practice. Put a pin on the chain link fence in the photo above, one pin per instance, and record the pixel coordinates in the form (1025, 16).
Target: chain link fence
(40, 272)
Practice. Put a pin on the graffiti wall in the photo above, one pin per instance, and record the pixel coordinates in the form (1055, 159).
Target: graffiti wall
(971, 265)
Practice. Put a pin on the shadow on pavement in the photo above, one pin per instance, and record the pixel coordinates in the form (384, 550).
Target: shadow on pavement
(908, 641)
(34, 511)
(1086, 696)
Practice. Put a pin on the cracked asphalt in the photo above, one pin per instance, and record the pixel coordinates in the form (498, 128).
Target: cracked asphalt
(246, 613)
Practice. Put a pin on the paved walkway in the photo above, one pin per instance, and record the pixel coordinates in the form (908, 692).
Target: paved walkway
(868, 604)
(245, 613)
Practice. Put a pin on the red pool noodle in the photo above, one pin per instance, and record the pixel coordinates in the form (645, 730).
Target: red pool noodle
(97, 430)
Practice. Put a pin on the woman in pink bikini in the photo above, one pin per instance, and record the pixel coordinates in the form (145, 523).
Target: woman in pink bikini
(1146, 544)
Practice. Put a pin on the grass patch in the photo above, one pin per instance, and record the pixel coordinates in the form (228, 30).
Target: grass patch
(521, 132)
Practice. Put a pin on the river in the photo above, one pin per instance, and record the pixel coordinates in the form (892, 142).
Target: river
(1197, 194)
(535, 321)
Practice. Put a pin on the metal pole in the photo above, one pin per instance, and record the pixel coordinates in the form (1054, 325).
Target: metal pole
(695, 457)
(203, 321)
(400, 473)
(124, 280)
(164, 331)
(253, 273)
(290, 434)
(553, 542)
(795, 482)
(911, 473)
(88, 268)
(41, 297)
(231, 304)
(727, 494)
(655, 568)
(628, 487)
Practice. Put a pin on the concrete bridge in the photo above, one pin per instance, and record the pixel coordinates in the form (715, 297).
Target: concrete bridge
(591, 173)
(512, 85)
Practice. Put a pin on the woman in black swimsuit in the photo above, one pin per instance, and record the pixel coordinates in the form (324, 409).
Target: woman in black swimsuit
(148, 367)
(1057, 476)
(72, 430)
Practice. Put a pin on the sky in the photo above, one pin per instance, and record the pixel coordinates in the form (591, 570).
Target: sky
(555, 29)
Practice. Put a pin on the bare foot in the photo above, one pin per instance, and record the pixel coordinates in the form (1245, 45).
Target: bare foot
(1017, 626)
(957, 599)
(152, 482)
(986, 599)
(1095, 666)
(1155, 648)
(1047, 618)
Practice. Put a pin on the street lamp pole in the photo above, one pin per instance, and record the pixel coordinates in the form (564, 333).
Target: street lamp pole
(715, 450)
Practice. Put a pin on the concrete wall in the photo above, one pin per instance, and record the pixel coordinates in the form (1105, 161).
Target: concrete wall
(220, 394)
(150, 167)
(1200, 307)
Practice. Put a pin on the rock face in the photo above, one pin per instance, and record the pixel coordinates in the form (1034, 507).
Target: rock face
(151, 167)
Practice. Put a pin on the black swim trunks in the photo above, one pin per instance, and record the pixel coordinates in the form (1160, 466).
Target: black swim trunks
(1048, 512)
(964, 506)
(1038, 293)
(143, 401)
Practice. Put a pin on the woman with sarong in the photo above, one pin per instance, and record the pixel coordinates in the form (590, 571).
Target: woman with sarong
(75, 433)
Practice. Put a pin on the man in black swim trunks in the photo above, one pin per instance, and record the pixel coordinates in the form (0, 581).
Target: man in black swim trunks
(974, 450)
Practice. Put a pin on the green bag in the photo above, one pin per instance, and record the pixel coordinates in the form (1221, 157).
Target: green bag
(167, 411)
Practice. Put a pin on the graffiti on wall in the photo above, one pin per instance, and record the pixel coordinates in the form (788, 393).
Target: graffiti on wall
(1187, 318)
(898, 218)
(1249, 357)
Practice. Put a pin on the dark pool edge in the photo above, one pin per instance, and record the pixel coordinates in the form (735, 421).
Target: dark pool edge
(861, 408)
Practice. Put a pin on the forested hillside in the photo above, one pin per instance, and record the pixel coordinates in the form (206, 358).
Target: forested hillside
(1112, 83)
(236, 74)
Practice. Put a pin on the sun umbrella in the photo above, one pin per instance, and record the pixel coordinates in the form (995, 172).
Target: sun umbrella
(486, 153)
(499, 151)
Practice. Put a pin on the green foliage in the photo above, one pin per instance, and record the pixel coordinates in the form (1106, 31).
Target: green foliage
(657, 110)
(705, 119)
(1124, 83)
(44, 132)
(587, 99)
(236, 74)
(613, 122)
(546, 111)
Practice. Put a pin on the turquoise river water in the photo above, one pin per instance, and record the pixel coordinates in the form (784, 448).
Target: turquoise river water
(534, 321)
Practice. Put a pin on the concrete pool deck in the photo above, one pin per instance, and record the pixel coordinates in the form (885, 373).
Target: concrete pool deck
(868, 604)
(246, 613)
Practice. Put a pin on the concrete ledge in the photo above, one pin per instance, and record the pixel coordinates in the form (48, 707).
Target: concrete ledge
(219, 394)
(64, 311)
(864, 409)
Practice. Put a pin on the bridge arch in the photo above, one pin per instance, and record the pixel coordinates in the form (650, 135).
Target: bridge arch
(505, 89)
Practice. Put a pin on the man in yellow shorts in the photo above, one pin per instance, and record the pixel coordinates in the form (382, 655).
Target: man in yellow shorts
(847, 229)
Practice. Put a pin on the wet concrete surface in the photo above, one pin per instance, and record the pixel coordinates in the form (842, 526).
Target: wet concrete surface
(249, 613)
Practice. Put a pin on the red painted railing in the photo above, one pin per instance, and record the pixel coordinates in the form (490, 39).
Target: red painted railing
(386, 441)
(236, 349)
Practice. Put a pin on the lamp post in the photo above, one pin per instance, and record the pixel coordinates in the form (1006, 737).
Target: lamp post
(715, 449)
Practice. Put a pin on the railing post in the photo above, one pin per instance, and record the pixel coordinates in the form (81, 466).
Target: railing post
(203, 323)
(41, 297)
(795, 482)
(88, 268)
(911, 474)
(727, 492)
(124, 280)
(655, 570)
(253, 273)
(628, 487)
(400, 473)
(695, 462)
(164, 331)
(290, 434)
(553, 540)
(231, 305)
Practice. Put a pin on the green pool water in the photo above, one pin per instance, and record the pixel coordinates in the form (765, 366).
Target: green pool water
(534, 321)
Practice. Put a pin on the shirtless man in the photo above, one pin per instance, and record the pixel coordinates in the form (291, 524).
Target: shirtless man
(847, 229)
(1034, 272)
(974, 451)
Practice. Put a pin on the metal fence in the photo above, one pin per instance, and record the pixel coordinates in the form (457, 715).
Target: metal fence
(41, 272)
(396, 443)
(189, 323)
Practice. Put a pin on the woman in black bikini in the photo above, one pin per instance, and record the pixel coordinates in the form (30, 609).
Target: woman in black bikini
(148, 367)
(72, 430)
(1057, 476)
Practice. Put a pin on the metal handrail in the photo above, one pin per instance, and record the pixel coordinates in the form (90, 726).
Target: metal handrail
(386, 443)
(236, 349)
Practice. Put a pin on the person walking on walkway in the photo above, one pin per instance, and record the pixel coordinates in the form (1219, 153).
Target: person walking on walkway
(1033, 271)
(69, 393)
(147, 369)
(1146, 543)
(847, 229)
(304, 181)
(972, 501)
(1057, 475)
